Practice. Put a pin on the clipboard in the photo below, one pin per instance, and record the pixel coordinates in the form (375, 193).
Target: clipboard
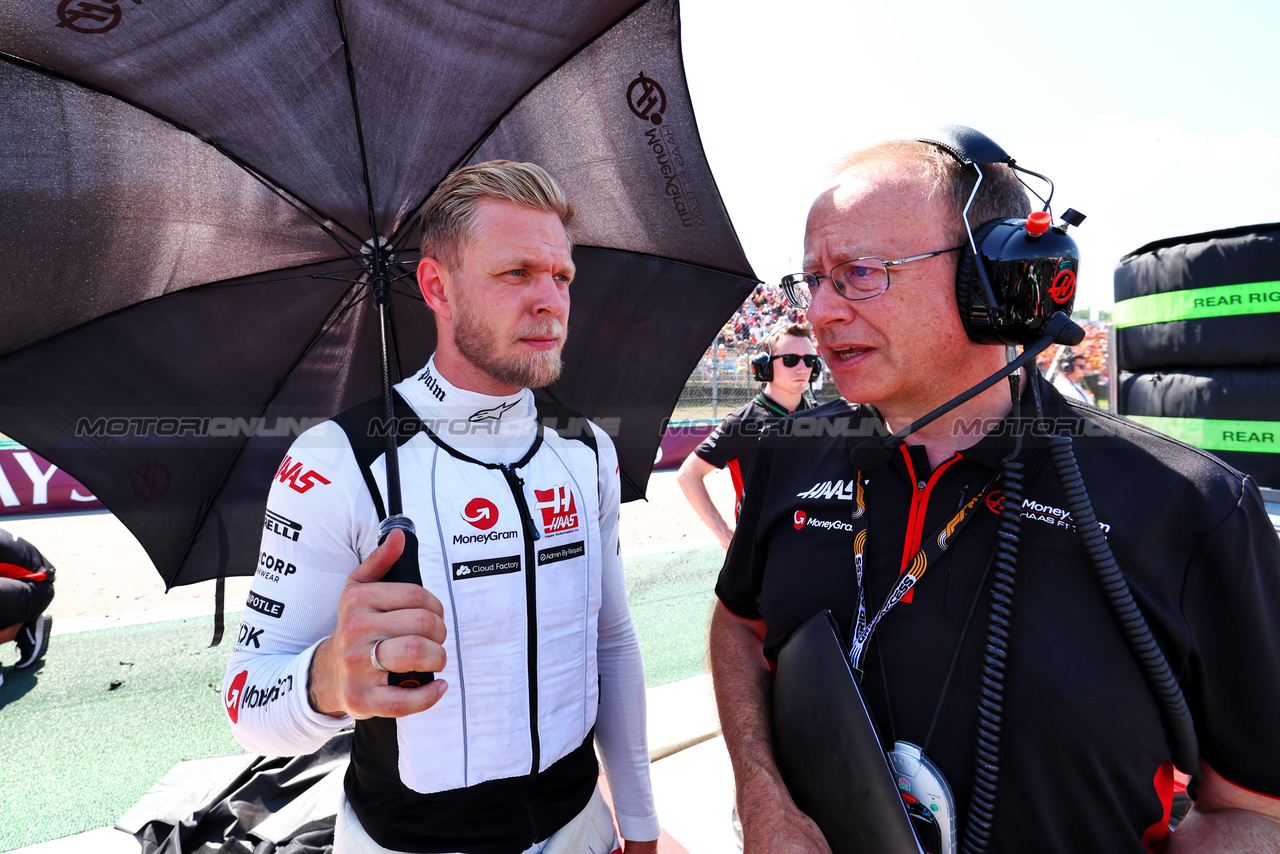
(827, 748)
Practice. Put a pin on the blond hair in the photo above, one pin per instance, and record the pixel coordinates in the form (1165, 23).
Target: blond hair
(449, 218)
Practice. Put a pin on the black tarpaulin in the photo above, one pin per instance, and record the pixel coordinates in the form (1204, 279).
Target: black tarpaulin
(242, 804)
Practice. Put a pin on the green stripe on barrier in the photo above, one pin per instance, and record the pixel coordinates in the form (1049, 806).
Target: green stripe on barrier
(1222, 301)
(1218, 435)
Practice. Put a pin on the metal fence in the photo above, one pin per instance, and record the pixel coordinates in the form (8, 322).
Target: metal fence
(722, 382)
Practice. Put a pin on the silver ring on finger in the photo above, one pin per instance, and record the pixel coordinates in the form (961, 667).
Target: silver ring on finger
(373, 656)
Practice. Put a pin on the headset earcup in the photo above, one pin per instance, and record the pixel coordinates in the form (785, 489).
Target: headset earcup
(762, 367)
(967, 281)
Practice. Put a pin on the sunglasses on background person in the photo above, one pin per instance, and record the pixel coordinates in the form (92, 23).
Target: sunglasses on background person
(790, 360)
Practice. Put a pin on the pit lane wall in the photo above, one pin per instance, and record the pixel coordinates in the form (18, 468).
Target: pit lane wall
(30, 484)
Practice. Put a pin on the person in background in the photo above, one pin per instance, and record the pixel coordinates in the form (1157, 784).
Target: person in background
(26, 589)
(1070, 380)
(789, 363)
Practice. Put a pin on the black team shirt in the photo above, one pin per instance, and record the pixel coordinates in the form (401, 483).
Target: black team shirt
(733, 442)
(1084, 759)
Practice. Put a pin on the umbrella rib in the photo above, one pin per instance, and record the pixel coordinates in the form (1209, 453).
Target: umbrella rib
(325, 225)
(666, 260)
(484, 137)
(341, 307)
(242, 281)
(355, 112)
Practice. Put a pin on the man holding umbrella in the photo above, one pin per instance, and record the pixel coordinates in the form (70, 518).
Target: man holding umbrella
(522, 613)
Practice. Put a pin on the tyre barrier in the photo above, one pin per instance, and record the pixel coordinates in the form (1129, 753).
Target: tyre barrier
(1234, 413)
(1200, 300)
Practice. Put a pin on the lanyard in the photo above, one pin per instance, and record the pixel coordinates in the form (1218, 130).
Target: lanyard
(929, 553)
(777, 408)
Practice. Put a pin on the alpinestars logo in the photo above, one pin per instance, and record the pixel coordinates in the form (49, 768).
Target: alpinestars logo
(481, 513)
(493, 413)
(838, 490)
(292, 474)
(559, 511)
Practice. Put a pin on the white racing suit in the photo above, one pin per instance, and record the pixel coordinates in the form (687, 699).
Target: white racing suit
(518, 537)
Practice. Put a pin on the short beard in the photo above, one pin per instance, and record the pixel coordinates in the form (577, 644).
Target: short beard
(477, 343)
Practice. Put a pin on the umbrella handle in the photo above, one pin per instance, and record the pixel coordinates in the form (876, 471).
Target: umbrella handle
(404, 570)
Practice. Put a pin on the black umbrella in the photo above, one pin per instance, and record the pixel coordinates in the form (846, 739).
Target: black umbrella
(189, 196)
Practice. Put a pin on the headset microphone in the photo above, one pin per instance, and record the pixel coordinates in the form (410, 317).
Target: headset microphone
(1059, 329)
(1013, 274)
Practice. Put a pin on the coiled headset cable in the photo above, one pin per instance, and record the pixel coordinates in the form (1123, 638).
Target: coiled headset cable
(1155, 667)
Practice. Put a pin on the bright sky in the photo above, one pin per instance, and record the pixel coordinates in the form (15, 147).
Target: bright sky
(1154, 119)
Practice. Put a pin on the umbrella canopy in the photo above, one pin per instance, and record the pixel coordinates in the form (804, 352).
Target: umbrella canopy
(189, 200)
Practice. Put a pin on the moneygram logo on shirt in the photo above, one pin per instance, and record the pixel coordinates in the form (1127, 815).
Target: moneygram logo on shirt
(559, 511)
(481, 513)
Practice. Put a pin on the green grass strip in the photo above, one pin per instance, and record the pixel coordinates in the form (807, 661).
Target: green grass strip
(101, 718)
(1221, 301)
(1218, 434)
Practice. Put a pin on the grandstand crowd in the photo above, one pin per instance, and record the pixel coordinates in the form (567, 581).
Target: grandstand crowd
(767, 307)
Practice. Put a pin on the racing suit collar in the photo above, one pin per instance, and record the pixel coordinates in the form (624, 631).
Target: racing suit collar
(487, 427)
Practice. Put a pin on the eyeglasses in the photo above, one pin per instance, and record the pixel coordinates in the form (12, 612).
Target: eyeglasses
(790, 360)
(859, 279)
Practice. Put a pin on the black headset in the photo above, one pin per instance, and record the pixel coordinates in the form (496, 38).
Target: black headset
(762, 366)
(1015, 273)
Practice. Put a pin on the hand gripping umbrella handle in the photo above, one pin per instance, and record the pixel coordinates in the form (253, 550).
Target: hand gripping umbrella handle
(404, 570)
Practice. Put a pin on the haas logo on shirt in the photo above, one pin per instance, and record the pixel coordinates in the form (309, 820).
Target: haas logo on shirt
(291, 473)
(559, 512)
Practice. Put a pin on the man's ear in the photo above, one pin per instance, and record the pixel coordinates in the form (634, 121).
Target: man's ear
(433, 278)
